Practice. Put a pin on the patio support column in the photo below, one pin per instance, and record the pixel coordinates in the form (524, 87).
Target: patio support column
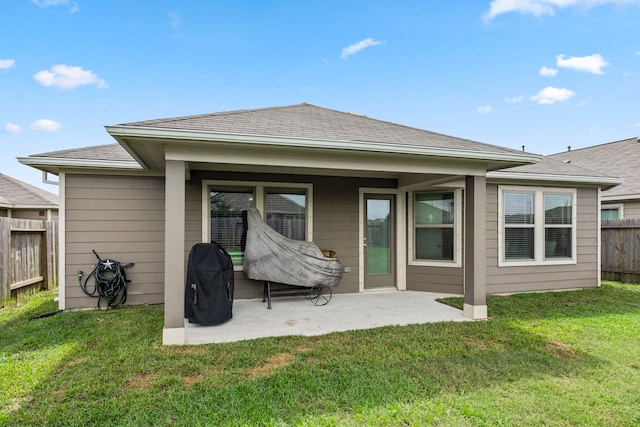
(475, 264)
(174, 270)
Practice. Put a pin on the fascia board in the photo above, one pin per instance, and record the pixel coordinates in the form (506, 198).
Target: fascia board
(32, 207)
(619, 197)
(119, 132)
(78, 163)
(554, 178)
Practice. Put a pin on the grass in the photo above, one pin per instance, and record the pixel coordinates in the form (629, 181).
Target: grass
(553, 359)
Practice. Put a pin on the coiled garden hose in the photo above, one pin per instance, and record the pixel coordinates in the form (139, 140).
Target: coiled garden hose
(110, 282)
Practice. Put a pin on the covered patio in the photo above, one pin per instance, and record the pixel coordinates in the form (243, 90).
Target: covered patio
(298, 316)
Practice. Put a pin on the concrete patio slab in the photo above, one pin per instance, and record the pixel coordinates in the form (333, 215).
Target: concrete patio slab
(298, 316)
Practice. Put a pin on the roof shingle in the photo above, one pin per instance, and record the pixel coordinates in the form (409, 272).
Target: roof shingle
(312, 122)
(14, 192)
(618, 158)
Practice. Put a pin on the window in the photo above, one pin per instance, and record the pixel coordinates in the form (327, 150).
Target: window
(536, 226)
(286, 212)
(611, 212)
(285, 207)
(229, 219)
(436, 222)
(519, 223)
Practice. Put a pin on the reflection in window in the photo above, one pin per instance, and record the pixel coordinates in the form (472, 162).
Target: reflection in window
(557, 220)
(434, 226)
(229, 219)
(537, 224)
(286, 212)
(519, 219)
(610, 213)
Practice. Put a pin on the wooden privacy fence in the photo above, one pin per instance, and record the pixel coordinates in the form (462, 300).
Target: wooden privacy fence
(621, 250)
(28, 256)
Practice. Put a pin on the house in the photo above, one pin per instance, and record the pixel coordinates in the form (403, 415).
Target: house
(21, 200)
(450, 215)
(620, 159)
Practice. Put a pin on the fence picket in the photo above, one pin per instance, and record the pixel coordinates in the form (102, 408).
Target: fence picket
(28, 251)
(621, 250)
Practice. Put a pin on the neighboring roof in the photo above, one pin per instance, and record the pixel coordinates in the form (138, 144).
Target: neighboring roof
(618, 158)
(98, 156)
(551, 170)
(16, 194)
(309, 121)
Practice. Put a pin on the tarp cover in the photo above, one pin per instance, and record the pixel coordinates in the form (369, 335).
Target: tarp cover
(271, 257)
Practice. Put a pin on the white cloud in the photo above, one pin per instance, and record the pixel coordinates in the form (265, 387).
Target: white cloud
(7, 63)
(588, 64)
(543, 7)
(548, 72)
(47, 3)
(550, 95)
(45, 125)
(12, 128)
(66, 77)
(175, 20)
(357, 47)
(638, 53)
(514, 100)
(485, 109)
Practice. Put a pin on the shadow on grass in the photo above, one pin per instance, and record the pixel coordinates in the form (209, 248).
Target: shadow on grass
(120, 374)
(27, 308)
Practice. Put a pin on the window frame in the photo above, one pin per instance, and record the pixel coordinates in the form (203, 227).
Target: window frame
(457, 230)
(611, 206)
(260, 188)
(539, 226)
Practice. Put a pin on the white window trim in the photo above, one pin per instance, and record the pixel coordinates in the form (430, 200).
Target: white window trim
(539, 226)
(259, 187)
(618, 206)
(457, 231)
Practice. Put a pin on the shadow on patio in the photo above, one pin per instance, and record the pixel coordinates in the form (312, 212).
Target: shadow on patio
(298, 316)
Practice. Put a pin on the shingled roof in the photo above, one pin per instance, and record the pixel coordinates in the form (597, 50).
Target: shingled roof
(309, 121)
(618, 158)
(109, 152)
(17, 194)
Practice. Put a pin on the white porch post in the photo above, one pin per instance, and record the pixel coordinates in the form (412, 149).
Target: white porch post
(174, 193)
(475, 264)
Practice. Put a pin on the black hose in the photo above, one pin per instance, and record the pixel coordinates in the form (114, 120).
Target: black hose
(110, 282)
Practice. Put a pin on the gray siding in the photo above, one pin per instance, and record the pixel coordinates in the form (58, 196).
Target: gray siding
(631, 209)
(335, 223)
(435, 279)
(122, 218)
(541, 277)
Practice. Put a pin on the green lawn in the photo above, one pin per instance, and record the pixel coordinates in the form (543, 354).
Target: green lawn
(554, 359)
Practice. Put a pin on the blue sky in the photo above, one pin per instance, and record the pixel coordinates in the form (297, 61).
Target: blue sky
(540, 73)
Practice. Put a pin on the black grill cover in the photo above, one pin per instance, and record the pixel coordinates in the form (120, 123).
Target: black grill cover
(208, 298)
